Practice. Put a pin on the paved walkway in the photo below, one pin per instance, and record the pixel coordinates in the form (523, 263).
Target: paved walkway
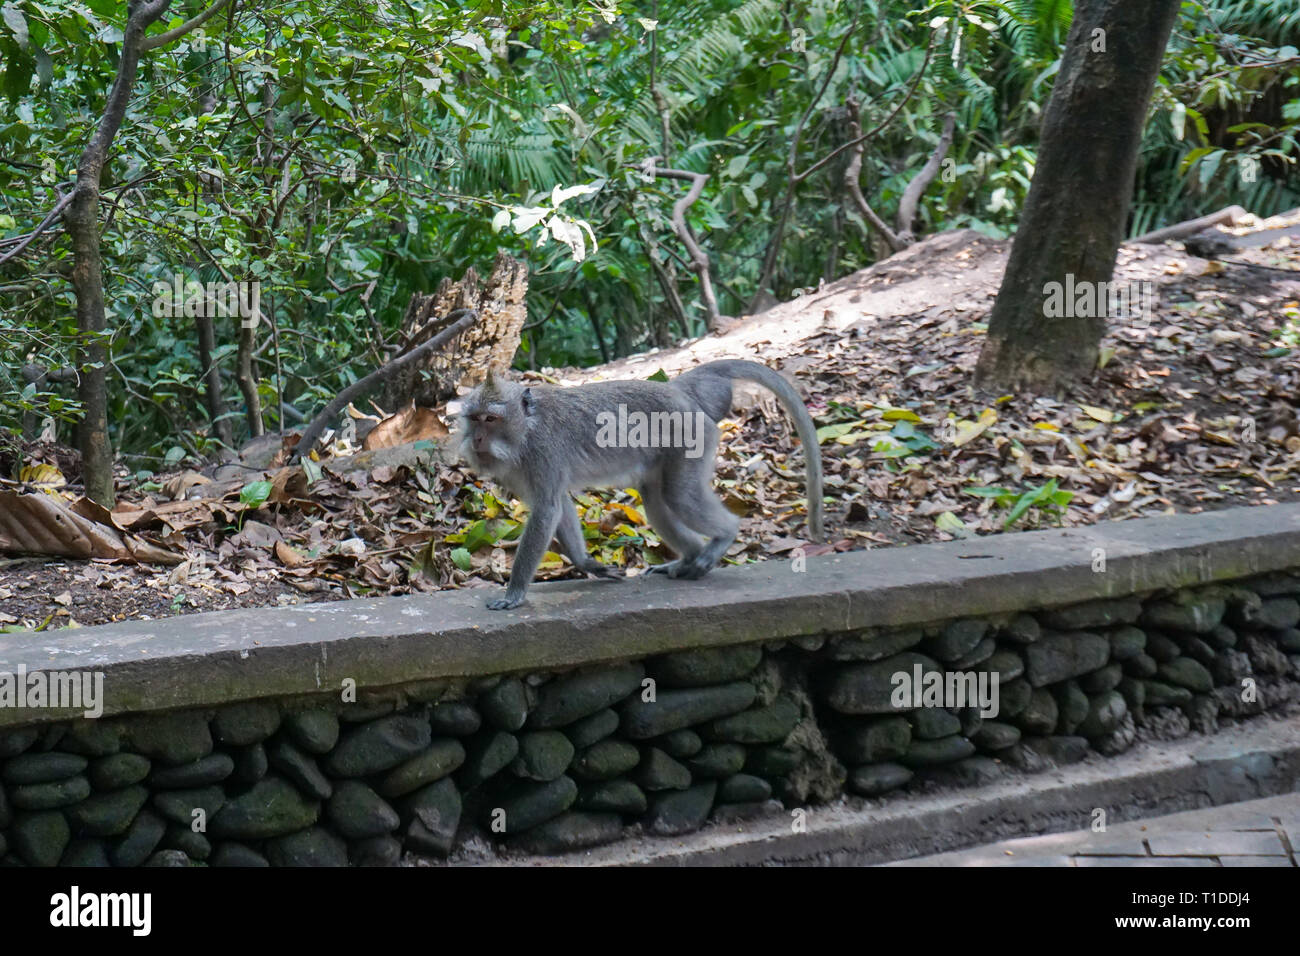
(1254, 833)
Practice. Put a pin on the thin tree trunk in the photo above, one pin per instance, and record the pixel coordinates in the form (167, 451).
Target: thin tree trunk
(81, 219)
(1074, 216)
(212, 381)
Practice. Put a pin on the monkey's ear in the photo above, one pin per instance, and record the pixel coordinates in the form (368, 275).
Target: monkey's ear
(528, 401)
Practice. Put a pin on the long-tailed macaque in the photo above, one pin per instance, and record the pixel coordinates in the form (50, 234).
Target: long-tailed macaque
(542, 442)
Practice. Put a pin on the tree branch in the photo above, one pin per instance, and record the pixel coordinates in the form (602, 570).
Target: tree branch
(916, 188)
(699, 260)
(45, 224)
(311, 435)
(852, 175)
(1179, 230)
(162, 39)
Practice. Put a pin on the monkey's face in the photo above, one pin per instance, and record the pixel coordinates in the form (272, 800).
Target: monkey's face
(496, 424)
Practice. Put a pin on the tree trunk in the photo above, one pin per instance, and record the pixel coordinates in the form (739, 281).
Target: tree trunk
(82, 221)
(1075, 214)
(212, 381)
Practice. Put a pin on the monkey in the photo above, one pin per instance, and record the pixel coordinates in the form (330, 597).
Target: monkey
(541, 442)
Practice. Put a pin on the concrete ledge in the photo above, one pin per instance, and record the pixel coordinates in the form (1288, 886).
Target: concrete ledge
(227, 656)
(1258, 758)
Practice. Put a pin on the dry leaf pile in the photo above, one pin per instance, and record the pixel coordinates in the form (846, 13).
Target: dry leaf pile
(1194, 408)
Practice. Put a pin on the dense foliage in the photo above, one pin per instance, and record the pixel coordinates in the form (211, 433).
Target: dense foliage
(346, 154)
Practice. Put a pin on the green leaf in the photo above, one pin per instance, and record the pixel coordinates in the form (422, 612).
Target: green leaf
(990, 492)
(950, 523)
(1028, 500)
(255, 493)
(477, 535)
(15, 20)
(461, 558)
(830, 432)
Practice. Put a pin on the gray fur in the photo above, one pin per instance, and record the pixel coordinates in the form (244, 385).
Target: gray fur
(541, 442)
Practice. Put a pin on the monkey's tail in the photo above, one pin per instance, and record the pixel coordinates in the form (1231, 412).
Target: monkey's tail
(733, 369)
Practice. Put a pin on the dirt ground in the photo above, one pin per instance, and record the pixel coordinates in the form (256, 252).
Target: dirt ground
(1195, 409)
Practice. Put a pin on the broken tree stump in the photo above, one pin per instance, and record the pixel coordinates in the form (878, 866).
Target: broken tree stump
(490, 343)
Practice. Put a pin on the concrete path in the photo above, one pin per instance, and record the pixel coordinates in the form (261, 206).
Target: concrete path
(1252, 833)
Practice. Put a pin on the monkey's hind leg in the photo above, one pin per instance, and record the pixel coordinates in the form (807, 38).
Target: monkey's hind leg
(574, 546)
(665, 521)
(701, 510)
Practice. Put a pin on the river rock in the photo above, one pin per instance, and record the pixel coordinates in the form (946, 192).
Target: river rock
(759, 725)
(314, 846)
(1058, 657)
(455, 718)
(1105, 713)
(705, 667)
(679, 709)
(118, 770)
(658, 771)
(313, 731)
(575, 830)
(506, 705)
(873, 646)
(43, 768)
(107, 814)
(378, 746)
(605, 760)
(433, 814)
(674, 812)
(931, 753)
(543, 755)
(876, 740)
(245, 724)
(874, 779)
(299, 768)
(357, 812)
(179, 806)
(140, 840)
(616, 796)
(527, 803)
(869, 688)
(717, 761)
(572, 697)
(1090, 614)
(176, 738)
(589, 730)
(957, 639)
(1186, 612)
(488, 754)
(271, 807)
(211, 769)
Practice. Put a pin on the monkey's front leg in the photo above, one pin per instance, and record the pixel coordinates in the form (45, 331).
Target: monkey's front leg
(574, 545)
(537, 535)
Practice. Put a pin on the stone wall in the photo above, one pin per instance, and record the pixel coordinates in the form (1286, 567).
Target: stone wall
(546, 762)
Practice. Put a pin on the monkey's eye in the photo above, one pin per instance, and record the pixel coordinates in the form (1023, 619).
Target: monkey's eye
(490, 419)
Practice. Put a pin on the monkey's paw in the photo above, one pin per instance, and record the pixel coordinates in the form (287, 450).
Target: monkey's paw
(604, 571)
(694, 569)
(671, 568)
(504, 603)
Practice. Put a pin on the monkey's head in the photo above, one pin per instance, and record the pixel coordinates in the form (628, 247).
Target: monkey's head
(495, 420)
